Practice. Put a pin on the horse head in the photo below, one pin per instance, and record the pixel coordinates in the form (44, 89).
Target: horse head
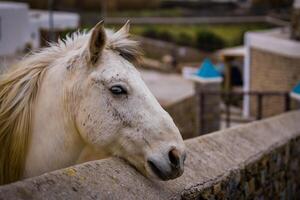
(115, 112)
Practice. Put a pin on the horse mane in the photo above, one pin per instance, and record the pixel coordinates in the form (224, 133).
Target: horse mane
(19, 88)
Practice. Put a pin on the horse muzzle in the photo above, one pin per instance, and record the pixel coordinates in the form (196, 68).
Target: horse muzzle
(169, 166)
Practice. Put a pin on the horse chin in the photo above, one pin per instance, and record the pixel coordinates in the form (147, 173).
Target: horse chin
(144, 170)
(153, 174)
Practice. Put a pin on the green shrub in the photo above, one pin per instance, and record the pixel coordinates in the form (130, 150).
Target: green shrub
(208, 41)
(150, 33)
(204, 40)
(239, 40)
(184, 39)
(166, 36)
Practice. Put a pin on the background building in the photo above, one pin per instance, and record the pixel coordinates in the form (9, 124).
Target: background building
(272, 63)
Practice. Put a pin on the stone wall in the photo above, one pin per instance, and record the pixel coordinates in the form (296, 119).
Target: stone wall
(259, 160)
(272, 72)
(208, 112)
(184, 116)
(157, 49)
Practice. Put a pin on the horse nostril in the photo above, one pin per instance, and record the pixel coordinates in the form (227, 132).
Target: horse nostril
(168, 166)
(174, 157)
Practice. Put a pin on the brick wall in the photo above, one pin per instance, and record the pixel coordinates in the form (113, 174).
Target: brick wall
(272, 72)
(186, 113)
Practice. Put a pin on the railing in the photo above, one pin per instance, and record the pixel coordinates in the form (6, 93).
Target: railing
(228, 98)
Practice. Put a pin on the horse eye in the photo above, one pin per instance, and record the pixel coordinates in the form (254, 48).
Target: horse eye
(118, 90)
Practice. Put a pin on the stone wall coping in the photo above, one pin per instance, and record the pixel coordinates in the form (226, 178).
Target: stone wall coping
(198, 79)
(276, 41)
(210, 158)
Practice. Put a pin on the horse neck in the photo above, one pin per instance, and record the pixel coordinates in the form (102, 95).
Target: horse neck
(54, 143)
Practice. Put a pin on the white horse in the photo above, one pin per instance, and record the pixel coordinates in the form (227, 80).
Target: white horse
(83, 99)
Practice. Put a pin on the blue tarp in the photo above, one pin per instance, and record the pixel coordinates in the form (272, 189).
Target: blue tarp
(207, 70)
(296, 89)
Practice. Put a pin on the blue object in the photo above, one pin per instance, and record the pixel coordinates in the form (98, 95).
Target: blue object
(295, 93)
(207, 70)
(296, 89)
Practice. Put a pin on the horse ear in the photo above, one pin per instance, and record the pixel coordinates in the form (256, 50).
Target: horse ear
(96, 42)
(125, 28)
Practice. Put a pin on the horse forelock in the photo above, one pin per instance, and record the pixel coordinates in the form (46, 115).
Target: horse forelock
(119, 42)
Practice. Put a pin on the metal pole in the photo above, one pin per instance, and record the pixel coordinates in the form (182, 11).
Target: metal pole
(227, 105)
(287, 101)
(51, 35)
(201, 113)
(259, 106)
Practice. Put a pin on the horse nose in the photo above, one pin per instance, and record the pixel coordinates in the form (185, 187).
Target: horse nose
(176, 158)
(169, 167)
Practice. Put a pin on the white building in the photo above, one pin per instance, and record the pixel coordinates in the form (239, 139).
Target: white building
(20, 27)
(272, 63)
(14, 27)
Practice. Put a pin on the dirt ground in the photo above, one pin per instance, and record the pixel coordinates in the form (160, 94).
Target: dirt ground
(167, 88)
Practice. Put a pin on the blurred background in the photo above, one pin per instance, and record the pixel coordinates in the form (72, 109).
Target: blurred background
(211, 64)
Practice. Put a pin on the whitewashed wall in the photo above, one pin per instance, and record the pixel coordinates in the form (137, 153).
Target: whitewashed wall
(20, 26)
(14, 27)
